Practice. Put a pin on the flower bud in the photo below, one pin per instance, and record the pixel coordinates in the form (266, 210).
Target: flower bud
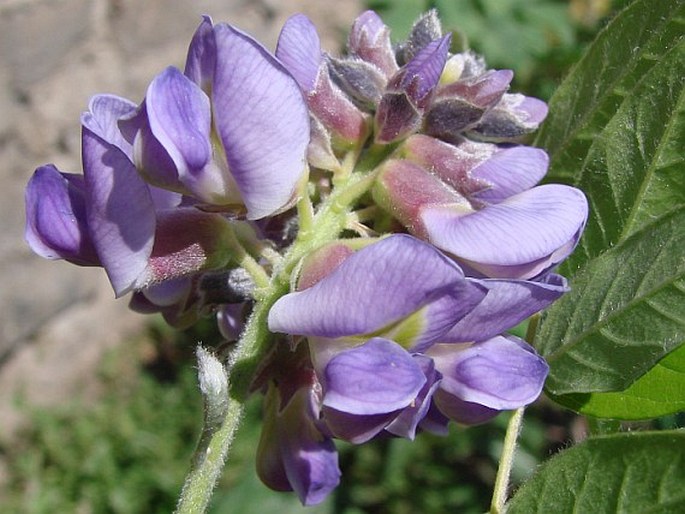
(369, 40)
(362, 82)
(515, 115)
(425, 29)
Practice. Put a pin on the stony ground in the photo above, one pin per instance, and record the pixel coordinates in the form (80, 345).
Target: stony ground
(56, 320)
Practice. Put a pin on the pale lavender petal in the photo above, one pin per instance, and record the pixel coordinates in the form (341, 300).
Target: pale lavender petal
(375, 378)
(507, 303)
(104, 112)
(56, 225)
(377, 286)
(518, 238)
(299, 49)
(466, 413)
(407, 422)
(262, 120)
(165, 199)
(532, 110)
(180, 117)
(201, 58)
(510, 171)
(120, 213)
(500, 373)
(367, 27)
(149, 155)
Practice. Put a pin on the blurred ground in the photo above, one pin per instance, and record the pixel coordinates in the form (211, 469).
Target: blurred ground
(56, 320)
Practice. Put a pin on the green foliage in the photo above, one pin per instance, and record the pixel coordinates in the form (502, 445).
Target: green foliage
(616, 130)
(126, 454)
(639, 472)
(658, 392)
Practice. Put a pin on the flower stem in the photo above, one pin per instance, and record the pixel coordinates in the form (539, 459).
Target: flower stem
(320, 228)
(499, 496)
(209, 461)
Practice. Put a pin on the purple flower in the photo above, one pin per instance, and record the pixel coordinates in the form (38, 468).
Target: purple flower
(110, 217)
(398, 287)
(232, 131)
(477, 202)
(395, 325)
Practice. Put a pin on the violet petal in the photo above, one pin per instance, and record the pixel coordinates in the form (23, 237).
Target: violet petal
(201, 59)
(102, 117)
(299, 49)
(375, 378)
(407, 422)
(376, 286)
(510, 171)
(310, 459)
(120, 213)
(526, 230)
(262, 120)
(56, 225)
(500, 373)
(507, 303)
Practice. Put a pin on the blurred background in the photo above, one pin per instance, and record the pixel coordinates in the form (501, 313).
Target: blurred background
(99, 408)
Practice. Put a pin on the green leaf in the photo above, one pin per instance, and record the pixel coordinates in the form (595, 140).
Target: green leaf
(658, 393)
(624, 313)
(617, 130)
(638, 472)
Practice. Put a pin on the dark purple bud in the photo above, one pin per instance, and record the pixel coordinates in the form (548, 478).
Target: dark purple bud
(395, 118)
(419, 77)
(362, 82)
(425, 30)
(514, 116)
(483, 91)
(409, 91)
(447, 118)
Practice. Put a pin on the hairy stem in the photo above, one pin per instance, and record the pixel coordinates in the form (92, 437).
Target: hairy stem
(499, 496)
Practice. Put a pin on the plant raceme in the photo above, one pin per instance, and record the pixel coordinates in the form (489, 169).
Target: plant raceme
(368, 226)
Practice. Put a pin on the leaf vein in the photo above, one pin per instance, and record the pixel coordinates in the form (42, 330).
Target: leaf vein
(652, 168)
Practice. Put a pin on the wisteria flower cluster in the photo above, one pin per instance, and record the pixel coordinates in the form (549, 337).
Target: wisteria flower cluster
(368, 226)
